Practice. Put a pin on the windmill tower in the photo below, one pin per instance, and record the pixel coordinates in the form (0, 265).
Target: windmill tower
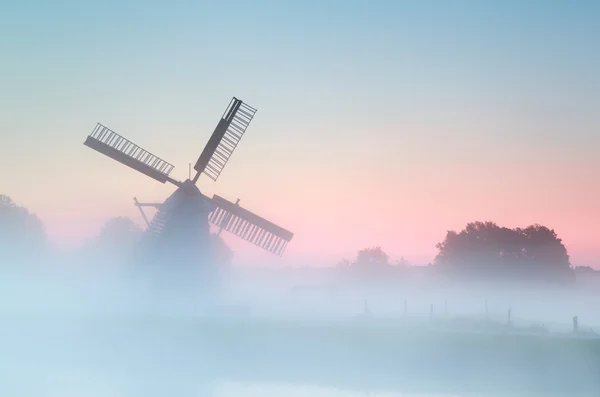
(177, 237)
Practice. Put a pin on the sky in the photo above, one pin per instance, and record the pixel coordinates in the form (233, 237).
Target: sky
(379, 122)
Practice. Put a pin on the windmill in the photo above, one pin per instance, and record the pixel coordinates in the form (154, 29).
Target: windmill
(178, 234)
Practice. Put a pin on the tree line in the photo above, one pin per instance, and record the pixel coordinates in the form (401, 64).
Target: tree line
(23, 236)
(484, 252)
(481, 251)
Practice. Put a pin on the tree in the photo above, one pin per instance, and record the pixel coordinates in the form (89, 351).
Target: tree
(119, 232)
(22, 234)
(586, 270)
(402, 262)
(370, 264)
(372, 257)
(343, 264)
(544, 253)
(485, 250)
(119, 239)
(115, 242)
(587, 276)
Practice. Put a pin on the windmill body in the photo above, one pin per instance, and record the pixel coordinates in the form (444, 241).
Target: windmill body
(176, 245)
(176, 242)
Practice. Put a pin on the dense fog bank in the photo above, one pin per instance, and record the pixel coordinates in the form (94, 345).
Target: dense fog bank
(72, 287)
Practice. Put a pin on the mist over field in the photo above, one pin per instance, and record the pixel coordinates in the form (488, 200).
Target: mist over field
(438, 159)
(102, 330)
(499, 311)
(289, 292)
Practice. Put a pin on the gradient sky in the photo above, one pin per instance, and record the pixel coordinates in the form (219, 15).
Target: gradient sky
(379, 123)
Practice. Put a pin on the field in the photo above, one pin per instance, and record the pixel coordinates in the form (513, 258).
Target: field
(47, 326)
(351, 353)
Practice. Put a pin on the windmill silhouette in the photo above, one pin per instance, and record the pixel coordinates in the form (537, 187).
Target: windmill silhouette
(178, 234)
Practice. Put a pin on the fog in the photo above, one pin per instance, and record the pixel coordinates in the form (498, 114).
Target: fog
(70, 328)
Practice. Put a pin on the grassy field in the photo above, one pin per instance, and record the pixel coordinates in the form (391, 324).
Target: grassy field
(351, 353)
(394, 356)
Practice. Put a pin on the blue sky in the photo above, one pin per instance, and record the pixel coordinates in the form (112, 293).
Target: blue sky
(370, 90)
(370, 58)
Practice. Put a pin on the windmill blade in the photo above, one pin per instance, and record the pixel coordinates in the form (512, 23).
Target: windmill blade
(224, 139)
(249, 226)
(113, 145)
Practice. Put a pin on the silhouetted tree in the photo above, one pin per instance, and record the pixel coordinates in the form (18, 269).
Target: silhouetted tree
(370, 264)
(586, 270)
(402, 262)
(343, 264)
(119, 239)
(487, 251)
(22, 234)
(115, 242)
(587, 276)
(372, 257)
(120, 231)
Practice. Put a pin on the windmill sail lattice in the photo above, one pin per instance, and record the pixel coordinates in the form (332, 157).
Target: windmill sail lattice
(224, 139)
(249, 226)
(183, 219)
(111, 144)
